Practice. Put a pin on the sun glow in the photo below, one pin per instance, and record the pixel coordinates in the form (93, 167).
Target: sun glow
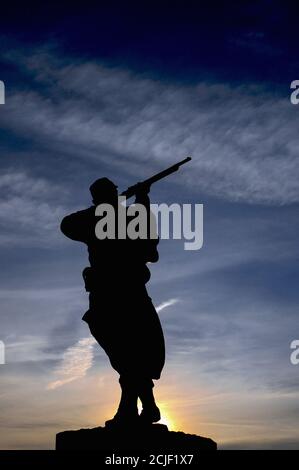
(165, 417)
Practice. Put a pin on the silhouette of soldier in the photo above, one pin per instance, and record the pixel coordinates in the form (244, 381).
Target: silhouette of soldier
(121, 316)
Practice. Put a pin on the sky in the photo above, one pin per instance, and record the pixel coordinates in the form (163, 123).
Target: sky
(124, 90)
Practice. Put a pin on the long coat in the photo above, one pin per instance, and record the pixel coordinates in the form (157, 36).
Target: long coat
(121, 315)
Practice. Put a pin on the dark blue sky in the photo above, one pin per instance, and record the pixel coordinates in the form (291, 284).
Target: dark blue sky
(239, 41)
(124, 91)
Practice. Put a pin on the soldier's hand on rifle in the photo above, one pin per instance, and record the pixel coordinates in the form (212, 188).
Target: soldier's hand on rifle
(141, 194)
(142, 189)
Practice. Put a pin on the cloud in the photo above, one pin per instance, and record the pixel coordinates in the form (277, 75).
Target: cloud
(232, 333)
(78, 359)
(27, 348)
(166, 304)
(30, 211)
(75, 363)
(39, 323)
(243, 139)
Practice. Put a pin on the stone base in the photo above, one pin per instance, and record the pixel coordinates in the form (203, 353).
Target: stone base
(155, 437)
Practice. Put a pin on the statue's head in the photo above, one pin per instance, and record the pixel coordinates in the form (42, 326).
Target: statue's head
(104, 191)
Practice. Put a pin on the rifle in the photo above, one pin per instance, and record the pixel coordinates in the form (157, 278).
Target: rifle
(148, 182)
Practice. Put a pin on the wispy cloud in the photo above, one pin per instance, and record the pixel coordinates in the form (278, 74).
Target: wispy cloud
(27, 348)
(78, 359)
(166, 304)
(29, 211)
(75, 363)
(244, 144)
(243, 139)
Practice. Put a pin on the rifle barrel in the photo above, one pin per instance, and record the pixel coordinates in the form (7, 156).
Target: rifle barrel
(131, 190)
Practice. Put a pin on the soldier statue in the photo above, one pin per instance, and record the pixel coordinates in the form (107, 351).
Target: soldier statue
(121, 316)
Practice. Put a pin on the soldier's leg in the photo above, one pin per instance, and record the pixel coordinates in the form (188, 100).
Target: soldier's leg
(129, 396)
(127, 413)
(150, 412)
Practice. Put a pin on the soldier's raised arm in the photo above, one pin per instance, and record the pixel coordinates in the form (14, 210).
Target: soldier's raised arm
(149, 245)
